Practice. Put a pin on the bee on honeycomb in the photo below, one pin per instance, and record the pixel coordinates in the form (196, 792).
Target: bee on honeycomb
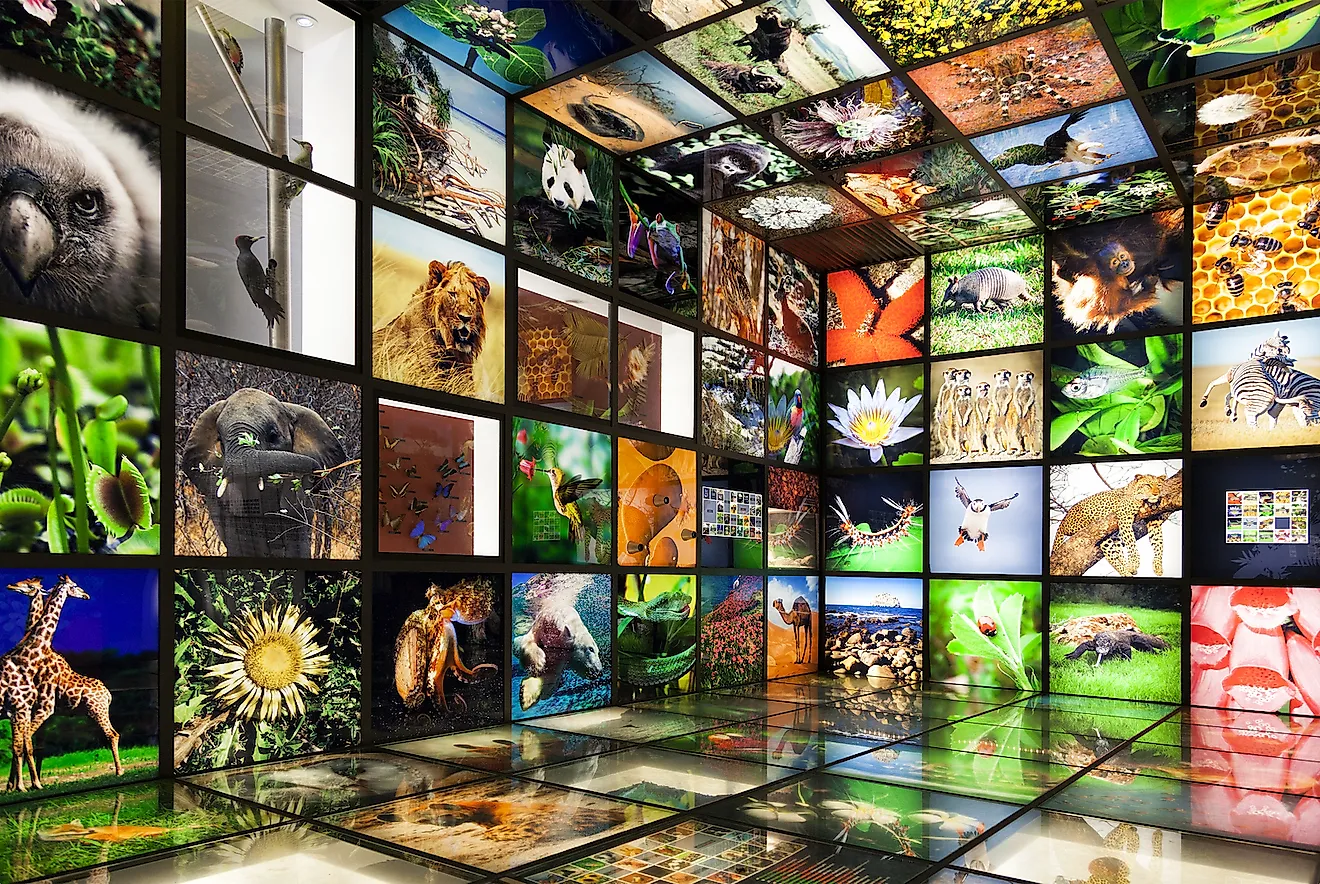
(1261, 282)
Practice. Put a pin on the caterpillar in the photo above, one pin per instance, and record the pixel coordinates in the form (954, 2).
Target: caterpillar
(896, 530)
(788, 533)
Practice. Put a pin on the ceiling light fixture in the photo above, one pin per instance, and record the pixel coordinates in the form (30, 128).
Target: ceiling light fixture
(303, 20)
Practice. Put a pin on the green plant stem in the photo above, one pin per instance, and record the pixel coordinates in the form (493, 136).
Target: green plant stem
(10, 414)
(73, 435)
(52, 451)
(151, 371)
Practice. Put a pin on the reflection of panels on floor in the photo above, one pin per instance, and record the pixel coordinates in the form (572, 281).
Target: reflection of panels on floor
(790, 692)
(1264, 817)
(54, 835)
(321, 784)
(1265, 773)
(1050, 847)
(691, 852)
(285, 854)
(878, 816)
(497, 825)
(835, 864)
(628, 723)
(1097, 706)
(669, 779)
(771, 744)
(505, 748)
(723, 707)
(984, 774)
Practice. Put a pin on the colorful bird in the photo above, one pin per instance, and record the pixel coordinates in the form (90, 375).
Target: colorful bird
(796, 413)
(232, 49)
(566, 494)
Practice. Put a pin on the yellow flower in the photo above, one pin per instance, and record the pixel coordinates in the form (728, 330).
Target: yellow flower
(267, 662)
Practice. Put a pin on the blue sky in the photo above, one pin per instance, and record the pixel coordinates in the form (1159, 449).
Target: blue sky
(861, 591)
(120, 616)
(468, 94)
(1115, 126)
(430, 244)
(1224, 346)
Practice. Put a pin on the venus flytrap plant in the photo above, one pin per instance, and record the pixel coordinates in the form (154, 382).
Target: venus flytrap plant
(61, 390)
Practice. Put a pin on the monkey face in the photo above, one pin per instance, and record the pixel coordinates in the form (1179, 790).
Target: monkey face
(1116, 259)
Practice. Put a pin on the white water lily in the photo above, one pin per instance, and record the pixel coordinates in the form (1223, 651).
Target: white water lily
(871, 421)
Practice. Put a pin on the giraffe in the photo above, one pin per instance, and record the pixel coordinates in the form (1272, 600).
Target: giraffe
(79, 691)
(28, 665)
(798, 618)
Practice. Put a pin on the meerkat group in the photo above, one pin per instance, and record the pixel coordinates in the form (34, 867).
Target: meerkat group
(996, 417)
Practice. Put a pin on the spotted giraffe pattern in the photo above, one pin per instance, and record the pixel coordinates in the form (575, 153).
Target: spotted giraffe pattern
(23, 670)
(81, 692)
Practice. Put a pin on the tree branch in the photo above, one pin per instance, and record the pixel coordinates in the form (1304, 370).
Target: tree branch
(1080, 552)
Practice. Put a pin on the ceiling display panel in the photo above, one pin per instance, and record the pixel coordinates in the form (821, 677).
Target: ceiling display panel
(1248, 166)
(1023, 79)
(633, 103)
(656, 17)
(915, 31)
(776, 53)
(1062, 146)
(1116, 193)
(918, 180)
(1164, 41)
(1278, 96)
(797, 208)
(965, 224)
(721, 163)
(873, 120)
(513, 44)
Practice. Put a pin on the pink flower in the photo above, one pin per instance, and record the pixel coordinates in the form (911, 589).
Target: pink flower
(42, 9)
(528, 467)
(522, 436)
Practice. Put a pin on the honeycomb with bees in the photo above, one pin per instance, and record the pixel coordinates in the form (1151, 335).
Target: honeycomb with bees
(1257, 255)
(1274, 97)
(547, 371)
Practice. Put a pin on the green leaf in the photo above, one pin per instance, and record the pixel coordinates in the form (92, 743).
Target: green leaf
(142, 543)
(112, 409)
(909, 457)
(1169, 442)
(1097, 355)
(101, 440)
(57, 537)
(1010, 624)
(1172, 387)
(1100, 445)
(1157, 408)
(1129, 427)
(121, 502)
(526, 66)
(529, 22)
(1157, 354)
(436, 13)
(20, 506)
(1126, 447)
(1063, 426)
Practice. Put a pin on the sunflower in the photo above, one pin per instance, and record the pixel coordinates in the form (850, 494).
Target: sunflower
(872, 421)
(267, 662)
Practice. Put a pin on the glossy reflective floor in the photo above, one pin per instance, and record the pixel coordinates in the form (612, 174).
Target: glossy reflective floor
(802, 780)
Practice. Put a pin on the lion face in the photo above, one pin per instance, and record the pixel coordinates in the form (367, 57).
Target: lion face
(456, 304)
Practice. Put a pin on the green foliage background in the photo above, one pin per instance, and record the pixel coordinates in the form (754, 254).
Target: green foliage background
(204, 602)
(961, 651)
(960, 331)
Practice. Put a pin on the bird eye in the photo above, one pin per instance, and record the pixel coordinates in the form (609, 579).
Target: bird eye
(87, 204)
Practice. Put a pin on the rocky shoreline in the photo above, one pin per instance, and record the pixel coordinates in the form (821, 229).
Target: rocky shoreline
(866, 645)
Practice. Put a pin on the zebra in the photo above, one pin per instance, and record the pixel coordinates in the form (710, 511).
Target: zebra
(1267, 386)
(1273, 347)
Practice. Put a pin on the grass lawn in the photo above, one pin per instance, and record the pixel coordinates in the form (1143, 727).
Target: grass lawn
(1155, 677)
(82, 769)
(961, 331)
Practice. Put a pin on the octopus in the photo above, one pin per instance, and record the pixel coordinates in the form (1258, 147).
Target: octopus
(426, 650)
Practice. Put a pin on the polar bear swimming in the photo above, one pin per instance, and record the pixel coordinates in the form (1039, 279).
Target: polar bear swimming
(550, 636)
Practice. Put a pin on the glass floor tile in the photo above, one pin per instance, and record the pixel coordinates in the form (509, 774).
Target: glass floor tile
(507, 748)
(669, 779)
(628, 723)
(723, 707)
(974, 774)
(771, 744)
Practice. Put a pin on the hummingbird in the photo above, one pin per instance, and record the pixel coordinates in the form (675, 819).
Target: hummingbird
(293, 187)
(257, 279)
(566, 493)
